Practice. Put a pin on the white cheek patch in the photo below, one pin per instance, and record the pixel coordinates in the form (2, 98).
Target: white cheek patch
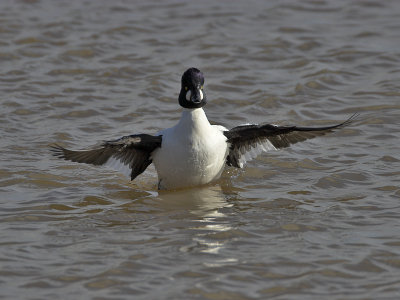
(188, 94)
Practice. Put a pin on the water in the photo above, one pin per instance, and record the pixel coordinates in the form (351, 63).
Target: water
(317, 221)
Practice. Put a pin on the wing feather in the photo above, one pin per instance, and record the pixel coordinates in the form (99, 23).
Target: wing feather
(248, 141)
(132, 151)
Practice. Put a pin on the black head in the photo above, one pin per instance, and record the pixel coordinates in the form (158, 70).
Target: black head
(192, 94)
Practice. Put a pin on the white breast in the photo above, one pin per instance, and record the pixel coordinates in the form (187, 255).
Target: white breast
(192, 153)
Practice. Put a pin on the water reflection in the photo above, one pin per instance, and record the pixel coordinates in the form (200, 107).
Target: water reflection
(200, 201)
(206, 205)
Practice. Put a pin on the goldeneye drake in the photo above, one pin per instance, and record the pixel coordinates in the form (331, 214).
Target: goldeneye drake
(193, 152)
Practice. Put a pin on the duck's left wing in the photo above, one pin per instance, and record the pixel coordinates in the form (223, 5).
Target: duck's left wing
(248, 141)
(133, 151)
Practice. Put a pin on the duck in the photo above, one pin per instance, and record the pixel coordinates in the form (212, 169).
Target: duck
(193, 152)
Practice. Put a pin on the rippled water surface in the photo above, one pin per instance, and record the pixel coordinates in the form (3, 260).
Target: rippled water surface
(317, 221)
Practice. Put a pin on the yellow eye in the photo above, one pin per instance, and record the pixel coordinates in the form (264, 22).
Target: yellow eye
(186, 88)
(201, 87)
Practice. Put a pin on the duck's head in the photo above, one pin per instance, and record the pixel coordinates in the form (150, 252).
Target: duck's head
(192, 94)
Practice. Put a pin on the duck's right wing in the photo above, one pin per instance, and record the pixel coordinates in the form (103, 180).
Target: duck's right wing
(133, 151)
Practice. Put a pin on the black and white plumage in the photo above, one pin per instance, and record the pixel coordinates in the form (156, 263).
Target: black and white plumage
(132, 151)
(193, 152)
(250, 140)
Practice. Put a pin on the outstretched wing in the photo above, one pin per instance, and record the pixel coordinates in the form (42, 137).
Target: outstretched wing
(132, 151)
(248, 141)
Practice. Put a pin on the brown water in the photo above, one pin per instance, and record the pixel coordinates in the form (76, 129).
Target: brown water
(320, 220)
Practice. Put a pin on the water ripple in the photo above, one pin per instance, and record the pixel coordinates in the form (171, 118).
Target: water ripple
(318, 220)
